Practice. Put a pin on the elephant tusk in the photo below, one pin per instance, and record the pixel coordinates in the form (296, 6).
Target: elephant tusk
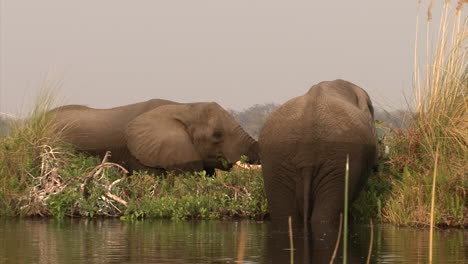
(246, 166)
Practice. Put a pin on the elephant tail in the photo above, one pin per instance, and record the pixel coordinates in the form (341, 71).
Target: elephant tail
(305, 189)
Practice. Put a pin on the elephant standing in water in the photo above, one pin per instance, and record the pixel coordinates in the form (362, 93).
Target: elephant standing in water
(158, 135)
(303, 147)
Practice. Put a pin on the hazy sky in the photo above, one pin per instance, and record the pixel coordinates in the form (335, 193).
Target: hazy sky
(237, 53)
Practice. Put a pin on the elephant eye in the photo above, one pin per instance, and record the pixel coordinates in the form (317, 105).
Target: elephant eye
(217, 134)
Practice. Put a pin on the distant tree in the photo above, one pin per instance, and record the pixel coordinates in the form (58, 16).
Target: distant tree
(4, 127)
(395, 119)
(252, 118)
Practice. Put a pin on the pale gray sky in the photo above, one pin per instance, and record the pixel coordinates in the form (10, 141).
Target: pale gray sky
(237, 53)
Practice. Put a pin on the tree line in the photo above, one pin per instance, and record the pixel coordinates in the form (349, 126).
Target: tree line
(4, 127)
(252, 118)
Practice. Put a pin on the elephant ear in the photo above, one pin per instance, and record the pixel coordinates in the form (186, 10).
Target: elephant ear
(364, 101)
(157, 139)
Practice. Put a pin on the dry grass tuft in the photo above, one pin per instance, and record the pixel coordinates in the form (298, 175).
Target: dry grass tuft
(460, 5)
(440, 119)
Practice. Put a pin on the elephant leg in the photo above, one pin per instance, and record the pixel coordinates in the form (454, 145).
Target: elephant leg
(280, 188)
(328, 200)
(327, 206)
(328, 183)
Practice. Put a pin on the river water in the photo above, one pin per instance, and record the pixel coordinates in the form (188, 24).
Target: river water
(166, 241)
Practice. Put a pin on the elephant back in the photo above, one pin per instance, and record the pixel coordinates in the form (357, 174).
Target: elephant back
(282, 129)
(98, 130)
(340, 111)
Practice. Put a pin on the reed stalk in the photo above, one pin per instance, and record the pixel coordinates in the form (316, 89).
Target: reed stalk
(337, 240)
(369, 253)
(291, 241)
(345, 224)
(431, 231)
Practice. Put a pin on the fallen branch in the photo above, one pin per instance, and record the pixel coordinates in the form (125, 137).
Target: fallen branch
(114, 183)
(48, 183)
(96, 172)
(115, 197)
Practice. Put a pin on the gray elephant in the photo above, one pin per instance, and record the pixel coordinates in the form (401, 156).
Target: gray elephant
(303, 147)
(158, 135)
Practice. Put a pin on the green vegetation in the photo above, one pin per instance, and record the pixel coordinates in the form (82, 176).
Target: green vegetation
(401, 191)
(228, 194)
(40, 175)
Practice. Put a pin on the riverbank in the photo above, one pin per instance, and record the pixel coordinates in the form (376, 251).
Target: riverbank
(422, 177)
(42, 176)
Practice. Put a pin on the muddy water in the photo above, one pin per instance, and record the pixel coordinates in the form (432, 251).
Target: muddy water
(165, 241)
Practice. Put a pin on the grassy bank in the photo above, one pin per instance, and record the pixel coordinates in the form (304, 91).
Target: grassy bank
(401, 192)
(56, 181)
(439, 128)
(42, 176)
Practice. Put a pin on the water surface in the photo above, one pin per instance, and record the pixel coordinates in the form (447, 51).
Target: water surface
(166, 241)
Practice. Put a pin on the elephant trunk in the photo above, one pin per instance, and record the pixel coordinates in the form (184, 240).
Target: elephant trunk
(243, 145)
(253, 153)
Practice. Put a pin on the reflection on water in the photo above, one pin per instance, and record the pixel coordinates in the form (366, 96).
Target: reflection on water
(165, 241)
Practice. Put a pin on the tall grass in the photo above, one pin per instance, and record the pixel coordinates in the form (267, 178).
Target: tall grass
(440, 119)
(21, 151)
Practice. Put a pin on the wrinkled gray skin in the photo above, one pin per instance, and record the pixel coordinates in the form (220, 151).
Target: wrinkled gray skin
(158, 135)
(303, 148)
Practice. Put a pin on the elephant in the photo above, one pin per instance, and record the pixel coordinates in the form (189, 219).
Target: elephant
(158, 135)
(310, 248)
(304, 146)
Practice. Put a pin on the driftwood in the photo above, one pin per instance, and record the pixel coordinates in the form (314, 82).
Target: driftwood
(114, 197)
(98, 171)
(50, 183)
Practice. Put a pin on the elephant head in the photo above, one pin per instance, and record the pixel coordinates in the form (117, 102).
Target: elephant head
(188, 137)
